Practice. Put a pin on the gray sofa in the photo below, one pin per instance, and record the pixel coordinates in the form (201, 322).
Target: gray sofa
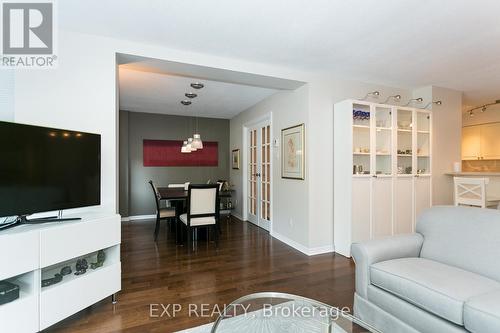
(444, 278)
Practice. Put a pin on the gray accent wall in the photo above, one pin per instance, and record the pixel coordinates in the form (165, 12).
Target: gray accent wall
(135, 195)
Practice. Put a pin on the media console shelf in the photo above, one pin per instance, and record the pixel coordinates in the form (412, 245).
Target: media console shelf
(31, 253)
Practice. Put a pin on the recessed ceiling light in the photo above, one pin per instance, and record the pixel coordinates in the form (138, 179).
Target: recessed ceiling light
(197, 85)
(185, 102)
(190, 95)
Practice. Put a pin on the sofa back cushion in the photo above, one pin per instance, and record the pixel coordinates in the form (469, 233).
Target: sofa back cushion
(464, 237)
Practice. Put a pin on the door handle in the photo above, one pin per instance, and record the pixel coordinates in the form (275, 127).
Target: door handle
(257, 174)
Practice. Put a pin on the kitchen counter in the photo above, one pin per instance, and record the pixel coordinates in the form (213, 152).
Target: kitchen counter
(485, 174)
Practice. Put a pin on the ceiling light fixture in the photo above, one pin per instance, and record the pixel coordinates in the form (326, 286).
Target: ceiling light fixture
(397, 98)
(197, 85)
(418, 100)
(482, 107)
(197, 143)
(190, 95)
(436, 102)
(185, 102)
(184, 148)
(190, 145)
(373, 94)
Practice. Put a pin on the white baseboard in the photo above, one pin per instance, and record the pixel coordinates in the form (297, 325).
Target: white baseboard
(304, 249)
(138, 218)
(238, 216)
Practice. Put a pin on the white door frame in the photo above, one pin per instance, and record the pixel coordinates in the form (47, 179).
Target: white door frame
(246, 126)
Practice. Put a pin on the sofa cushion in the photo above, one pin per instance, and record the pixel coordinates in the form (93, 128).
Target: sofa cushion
(429, 285)
(464, 237)
(482, 313)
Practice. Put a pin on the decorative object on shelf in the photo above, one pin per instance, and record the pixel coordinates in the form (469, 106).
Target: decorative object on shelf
(235, 159)
(66, 270)
(293, 152)
(360, 115)
(357, 169)
(81, 266)
(373, 94)
(431, 103)
(408, 170)
(397, 98)
(417, 100)
(401, 170)
(421, 171)
(229, 204)
(8, 292)
(405, 125)
(101, 258)
(50, 281)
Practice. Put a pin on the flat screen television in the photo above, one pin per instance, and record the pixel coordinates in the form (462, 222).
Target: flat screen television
(46, 169)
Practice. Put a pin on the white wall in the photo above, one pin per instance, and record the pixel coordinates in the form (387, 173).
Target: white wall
(6, 95)
(290, 197)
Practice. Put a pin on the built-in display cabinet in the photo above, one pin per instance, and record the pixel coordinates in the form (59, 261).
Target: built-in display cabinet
(382, 170)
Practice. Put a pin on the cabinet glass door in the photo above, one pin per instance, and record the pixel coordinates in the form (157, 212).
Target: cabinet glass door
(423, 142)
(361, 121)
(383, 140)
(405, 141)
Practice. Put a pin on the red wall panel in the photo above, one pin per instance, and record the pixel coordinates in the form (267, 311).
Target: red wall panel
(161, 153)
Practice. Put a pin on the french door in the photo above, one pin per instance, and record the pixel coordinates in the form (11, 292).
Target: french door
(259, 175)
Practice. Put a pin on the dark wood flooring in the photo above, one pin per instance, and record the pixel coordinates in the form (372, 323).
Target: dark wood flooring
(248, 260)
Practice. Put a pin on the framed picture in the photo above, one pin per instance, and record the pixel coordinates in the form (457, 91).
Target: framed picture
(235, 159)
(293, 152)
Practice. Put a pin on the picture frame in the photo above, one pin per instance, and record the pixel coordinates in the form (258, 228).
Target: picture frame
(293, 152)
(235, 159)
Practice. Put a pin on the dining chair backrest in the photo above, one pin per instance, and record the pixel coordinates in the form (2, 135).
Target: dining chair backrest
(470, 191)
(156, 195)
(203, 201)
(175, 185)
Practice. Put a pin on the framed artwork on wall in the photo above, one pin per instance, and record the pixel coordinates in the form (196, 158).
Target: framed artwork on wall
(293, 151)
(235, 159)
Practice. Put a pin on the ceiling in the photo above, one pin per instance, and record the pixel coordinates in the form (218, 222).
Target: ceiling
(145, 91)
(412, 43)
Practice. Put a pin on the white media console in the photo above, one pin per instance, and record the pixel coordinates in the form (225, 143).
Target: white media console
(31, 253)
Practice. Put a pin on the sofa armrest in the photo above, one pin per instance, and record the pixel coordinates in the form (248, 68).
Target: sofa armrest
(368, 253)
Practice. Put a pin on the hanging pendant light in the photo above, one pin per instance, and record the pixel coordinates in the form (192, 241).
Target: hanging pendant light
(184, 148)
(190, 145)
(197, 143)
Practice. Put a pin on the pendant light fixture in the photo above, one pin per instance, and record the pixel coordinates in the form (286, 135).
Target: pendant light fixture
(197, 143)
(184, 148)
(189, 145)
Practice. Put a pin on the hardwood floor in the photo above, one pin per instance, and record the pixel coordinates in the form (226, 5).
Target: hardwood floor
(248, 260)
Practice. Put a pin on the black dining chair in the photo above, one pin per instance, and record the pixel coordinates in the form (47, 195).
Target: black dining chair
(167, 213)
(202, 211)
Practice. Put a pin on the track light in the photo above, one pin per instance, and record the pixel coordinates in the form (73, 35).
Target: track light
(373, 94)
(418, 100)
(435, 102)
(397, 98)
(197, 85)
(482, 107)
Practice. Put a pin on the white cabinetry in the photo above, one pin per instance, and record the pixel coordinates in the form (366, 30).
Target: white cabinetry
(31, 253)
(382, 170)
(480, 142)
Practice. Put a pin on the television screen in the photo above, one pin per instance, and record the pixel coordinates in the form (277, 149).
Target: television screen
(45, 169)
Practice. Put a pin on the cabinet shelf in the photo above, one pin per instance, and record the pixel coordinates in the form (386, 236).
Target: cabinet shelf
(404, 130)
(361, 126)
(384, 128)
(361, 154)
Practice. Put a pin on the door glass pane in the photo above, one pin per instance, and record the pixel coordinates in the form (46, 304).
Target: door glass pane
(265, 167)
(383, 137)
(405, 141)
(423, 143)
(361, 139)
(252, 170)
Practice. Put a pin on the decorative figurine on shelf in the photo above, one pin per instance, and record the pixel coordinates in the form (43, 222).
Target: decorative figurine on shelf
(101, 257)
(229, 204)
(50, 281)
(66, 270)
(81, 266)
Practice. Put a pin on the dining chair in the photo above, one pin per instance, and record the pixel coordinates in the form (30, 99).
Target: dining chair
(184, 186)
(202, 211)
(167, 213)
(472, 192)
